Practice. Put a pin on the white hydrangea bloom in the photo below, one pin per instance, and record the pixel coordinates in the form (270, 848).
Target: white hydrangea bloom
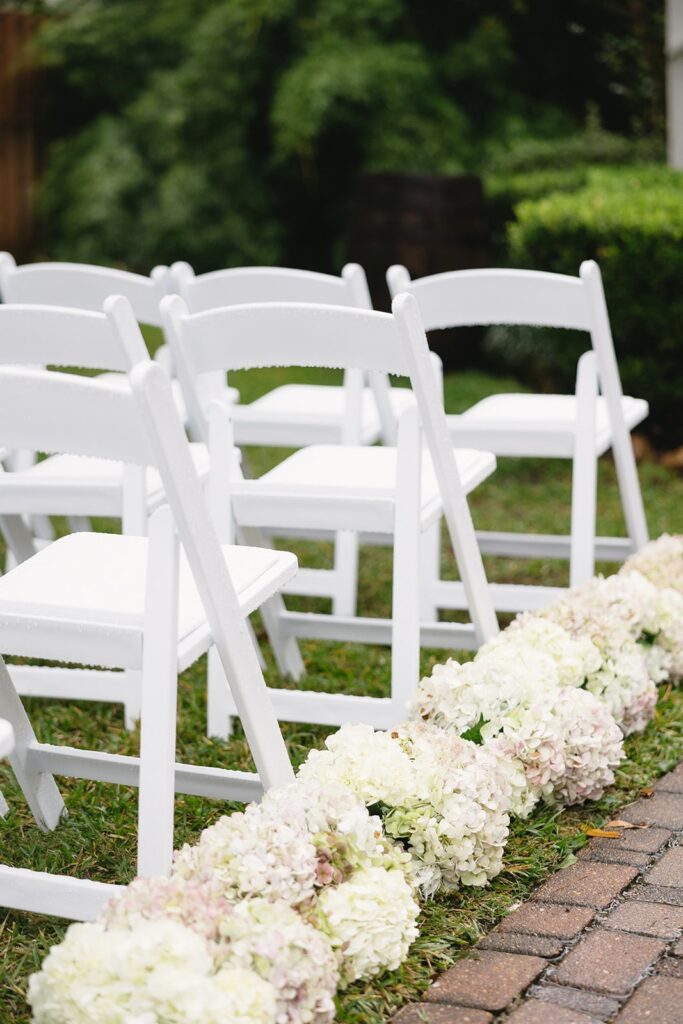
(612, 616)
(575, 657)
(297, 959)
(593, 747)
(370, 921)
(451, 808)
(159, 973)
(660, 561)
(253, 854)
(509, 703)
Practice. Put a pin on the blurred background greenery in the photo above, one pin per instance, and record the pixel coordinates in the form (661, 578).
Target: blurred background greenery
(307, 132)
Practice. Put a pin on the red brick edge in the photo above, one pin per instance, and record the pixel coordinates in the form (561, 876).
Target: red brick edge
(599, 941)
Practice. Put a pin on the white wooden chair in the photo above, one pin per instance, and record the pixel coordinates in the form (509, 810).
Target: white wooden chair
(133, 603)
(70, 484)
(579, 427)
(360, 411)
(380, 490)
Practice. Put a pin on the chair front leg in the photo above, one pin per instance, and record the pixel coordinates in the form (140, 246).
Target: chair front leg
(39, 788)
(346, 573)
(584, 474)
(405, 632)
(159, 700)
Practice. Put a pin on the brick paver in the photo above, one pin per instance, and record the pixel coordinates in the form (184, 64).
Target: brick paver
(488, 982)
(656, 919)
(589, 885)
(601, 940)
(578, 1000)
(668, 870)
(657, 1001)
(533, 945)
(557, 920)
(536, 1012)
(662, 809)
(431, 1013)
(608, 962)
(643, 840)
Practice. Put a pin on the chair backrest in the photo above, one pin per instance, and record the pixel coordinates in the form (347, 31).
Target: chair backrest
(240, 286)
(55, 336)
(294, 334)
(82, 286)
(528, 297)
(164, 430)
(246, 285)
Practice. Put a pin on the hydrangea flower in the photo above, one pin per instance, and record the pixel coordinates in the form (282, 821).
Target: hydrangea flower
(299, 838)
(443, 799)
(370, 921)
(514, 706)
(660, 561)
(198, 904)
(576, 657)
(276, 943)
(158, 973)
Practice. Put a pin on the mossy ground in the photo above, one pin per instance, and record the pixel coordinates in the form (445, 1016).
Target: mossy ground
(97, 840)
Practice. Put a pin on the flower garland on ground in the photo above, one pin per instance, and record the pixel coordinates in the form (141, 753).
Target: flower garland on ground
(278, 906)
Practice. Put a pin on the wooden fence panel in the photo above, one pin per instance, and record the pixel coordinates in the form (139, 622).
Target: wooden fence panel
(19, 149)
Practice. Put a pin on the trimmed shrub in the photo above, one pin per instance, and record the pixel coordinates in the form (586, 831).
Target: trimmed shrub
(631, 222)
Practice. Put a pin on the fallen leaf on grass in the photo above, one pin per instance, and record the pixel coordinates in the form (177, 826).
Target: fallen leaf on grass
(600, 833)
(623, 824)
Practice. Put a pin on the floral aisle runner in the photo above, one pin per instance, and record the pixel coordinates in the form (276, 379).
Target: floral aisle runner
(277, 907)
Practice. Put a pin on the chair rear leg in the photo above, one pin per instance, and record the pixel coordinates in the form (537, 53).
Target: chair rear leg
(345, 599)
(159, 700)
(430, 571)
(39, 788)
(584, 474)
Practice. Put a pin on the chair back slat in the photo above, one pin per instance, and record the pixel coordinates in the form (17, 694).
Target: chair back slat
(49, 335)
(465, 298)
(283, 334)
(245, 285)
(81, 286)
(61, 413)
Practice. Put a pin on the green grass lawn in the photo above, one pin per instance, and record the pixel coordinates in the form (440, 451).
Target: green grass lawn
(98, 838)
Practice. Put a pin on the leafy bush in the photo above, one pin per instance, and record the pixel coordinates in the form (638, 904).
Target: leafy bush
(534, 168)
(233, 131)
(631, 222)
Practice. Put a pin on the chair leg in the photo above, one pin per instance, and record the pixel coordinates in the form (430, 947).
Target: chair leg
(18, 537)
(4, 807)
(584, 475)
(430, 571)
(39, 788)
(345, 599)
(159, 700)
(406, 598)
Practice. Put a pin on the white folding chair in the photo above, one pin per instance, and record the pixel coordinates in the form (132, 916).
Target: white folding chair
(129, 603)
(380, 490)
(70, 484)
(360, 411)
(579, 427)
(83, 286)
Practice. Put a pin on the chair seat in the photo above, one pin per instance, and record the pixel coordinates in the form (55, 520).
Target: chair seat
(298, 414)
(543, 419)
(80, 485)
(95, 581)
(320, 477)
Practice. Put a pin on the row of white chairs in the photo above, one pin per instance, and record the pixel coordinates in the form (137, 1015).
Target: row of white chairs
(119, 605)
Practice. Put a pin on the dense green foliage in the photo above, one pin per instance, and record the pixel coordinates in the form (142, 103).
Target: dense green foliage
(233, 131)
(631, 222)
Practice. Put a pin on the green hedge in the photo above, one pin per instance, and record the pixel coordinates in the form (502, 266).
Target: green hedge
(631, 222)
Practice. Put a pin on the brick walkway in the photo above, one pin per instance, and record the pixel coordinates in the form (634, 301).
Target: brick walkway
(597, 942)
